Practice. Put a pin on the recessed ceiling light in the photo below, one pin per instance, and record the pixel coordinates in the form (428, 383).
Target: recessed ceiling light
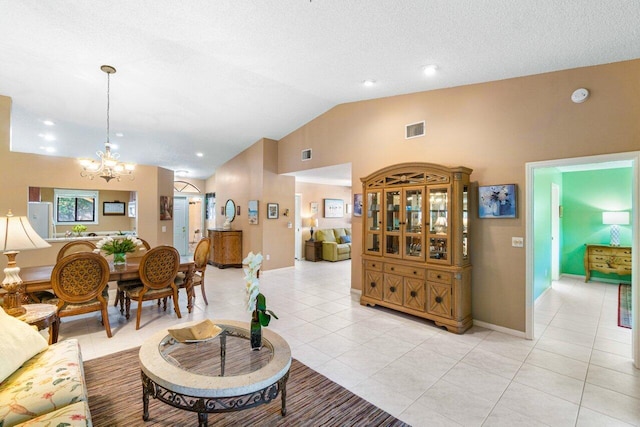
(199, 154)
(181, 172)
(47, 136)
(48, 122)
(430, 70)
(368, 83)
(119, 134)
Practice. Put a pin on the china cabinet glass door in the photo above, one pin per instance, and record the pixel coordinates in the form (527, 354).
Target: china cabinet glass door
(413, 224)
(439, 241)
(392, 220)
(465, 222)
(373, 240)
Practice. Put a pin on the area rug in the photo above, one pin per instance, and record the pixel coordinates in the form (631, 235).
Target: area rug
(115, 399)
(624, 306)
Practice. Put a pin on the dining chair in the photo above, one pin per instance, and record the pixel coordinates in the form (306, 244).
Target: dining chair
(158, 270)
(78, 281)
(123, 285)
(200, 258)
(75, 247)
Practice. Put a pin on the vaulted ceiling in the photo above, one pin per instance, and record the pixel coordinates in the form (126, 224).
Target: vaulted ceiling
(212, 77)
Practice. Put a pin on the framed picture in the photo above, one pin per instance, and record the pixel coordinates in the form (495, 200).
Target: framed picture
(357, 204)
(333, 208)
(113, 208)
(314, 208)
(497, 201)
(166, 208)
(253, 211)
(272, 210)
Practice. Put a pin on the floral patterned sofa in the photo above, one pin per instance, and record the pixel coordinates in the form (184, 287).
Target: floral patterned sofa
(40, 384)
(336, 243)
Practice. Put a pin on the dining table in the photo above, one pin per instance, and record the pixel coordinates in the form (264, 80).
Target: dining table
(38, 278)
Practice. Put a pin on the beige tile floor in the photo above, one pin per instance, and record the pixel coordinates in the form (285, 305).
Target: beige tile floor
(577, 372)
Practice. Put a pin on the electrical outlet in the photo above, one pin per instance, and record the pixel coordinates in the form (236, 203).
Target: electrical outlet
(517, 242)
(164, 228)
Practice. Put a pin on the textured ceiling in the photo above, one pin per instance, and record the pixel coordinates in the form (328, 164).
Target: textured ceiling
(216, 76)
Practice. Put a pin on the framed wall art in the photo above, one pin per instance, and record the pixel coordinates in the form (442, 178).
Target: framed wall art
(272, 211)
(113, 208)
(314, 208)
(497, 201)
(357, 204)
(253, 211)
(333, 208)
(166, 208)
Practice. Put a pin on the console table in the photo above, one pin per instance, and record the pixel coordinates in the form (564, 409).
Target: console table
(607, 259)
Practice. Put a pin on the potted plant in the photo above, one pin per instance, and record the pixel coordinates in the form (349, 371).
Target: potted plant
(256, 302)
(79, 229)
(119, 248)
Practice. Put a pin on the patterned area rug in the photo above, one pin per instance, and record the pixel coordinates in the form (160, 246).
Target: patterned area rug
(115, 399)
(624, 306)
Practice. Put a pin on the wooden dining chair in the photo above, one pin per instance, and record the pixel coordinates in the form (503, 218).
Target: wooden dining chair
(123, 285)
(78, 281)
(75, 247)
(158, 270)
(200, 258)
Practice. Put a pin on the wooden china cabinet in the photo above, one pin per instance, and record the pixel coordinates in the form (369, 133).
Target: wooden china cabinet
(415, 242)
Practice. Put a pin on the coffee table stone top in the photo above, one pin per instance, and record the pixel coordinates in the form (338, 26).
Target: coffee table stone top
(196, 369)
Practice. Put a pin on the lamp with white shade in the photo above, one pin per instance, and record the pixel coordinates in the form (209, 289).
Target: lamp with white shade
(16, 234)
(615, 219)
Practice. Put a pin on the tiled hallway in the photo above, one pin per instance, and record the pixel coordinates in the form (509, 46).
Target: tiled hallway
(578, 371)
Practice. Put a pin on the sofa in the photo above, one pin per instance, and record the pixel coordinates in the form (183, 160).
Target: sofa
(40, 384)
(336, 243)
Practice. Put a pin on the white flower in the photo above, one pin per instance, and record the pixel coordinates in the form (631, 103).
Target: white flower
(253, 263)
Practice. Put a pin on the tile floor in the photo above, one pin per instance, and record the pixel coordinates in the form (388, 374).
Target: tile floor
(577, 372)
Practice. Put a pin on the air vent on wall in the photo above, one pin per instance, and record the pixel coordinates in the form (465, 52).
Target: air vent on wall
(414, 130)
(306, 154)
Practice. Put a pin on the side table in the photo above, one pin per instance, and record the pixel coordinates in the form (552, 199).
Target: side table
(43, 316)
(313, 250)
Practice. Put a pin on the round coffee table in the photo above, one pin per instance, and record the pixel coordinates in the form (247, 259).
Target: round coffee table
(221, 374)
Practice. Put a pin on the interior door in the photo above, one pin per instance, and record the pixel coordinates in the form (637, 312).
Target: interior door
(298, 227)
(181, 225)
(555, 232)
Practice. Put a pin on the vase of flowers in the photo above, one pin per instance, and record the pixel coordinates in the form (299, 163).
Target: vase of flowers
(119, 248)
(79, 229)
(256, 302)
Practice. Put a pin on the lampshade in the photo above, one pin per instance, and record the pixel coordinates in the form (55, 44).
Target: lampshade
(615, 218)
(16, 234)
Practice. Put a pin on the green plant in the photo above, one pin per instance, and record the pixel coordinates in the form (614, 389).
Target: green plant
(110, 246)
(79, 228)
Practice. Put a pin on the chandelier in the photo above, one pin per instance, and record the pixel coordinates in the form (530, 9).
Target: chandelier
(108, 166)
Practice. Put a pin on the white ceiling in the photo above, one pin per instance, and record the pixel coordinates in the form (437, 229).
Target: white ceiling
(215, 76)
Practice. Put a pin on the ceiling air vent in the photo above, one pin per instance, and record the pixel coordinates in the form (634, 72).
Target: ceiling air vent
(414, 130)
(306, 154)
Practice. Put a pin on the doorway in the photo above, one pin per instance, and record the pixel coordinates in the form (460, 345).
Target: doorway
(534, 217)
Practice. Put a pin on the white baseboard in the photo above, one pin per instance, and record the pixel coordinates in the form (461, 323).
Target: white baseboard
(497, 328)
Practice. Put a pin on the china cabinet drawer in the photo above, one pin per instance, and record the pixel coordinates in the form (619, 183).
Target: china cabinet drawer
(373, 265)
(439, 276)
(404, 270)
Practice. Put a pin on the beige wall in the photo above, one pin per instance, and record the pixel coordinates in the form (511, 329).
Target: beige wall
(494, 128)
(19, 171)
(252, 175)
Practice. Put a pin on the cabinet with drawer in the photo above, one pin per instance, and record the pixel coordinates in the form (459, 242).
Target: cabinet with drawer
(607, 259)
(415, 242)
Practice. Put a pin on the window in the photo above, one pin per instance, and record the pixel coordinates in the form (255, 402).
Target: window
(75, 206)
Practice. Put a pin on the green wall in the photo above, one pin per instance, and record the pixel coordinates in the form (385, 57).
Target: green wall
(585, 195)
(543, 177)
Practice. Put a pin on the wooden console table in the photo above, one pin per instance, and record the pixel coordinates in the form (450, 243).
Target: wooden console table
(607, 259)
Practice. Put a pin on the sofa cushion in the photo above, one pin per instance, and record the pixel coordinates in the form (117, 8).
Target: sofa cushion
(344, 249)
(339, 232)
(326, 235)
(74, 415)
(19, 342)
(49, 380)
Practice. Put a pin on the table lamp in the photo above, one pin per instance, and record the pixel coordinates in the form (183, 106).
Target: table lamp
(313, 222)
(16, 234)
(615, 219)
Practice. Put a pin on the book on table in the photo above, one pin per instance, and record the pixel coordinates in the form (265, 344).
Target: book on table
(200, 331)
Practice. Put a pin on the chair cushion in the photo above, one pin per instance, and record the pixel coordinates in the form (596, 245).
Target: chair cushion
(195, 280)
(344, 249)
(72, 309)
(49, 380)
(325, 235)
(134, 293)
(19, 342)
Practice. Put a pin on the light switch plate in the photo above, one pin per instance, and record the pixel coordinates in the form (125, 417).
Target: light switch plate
(517, 242)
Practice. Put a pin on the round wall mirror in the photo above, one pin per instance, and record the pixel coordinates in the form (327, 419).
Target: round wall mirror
(230, 210)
